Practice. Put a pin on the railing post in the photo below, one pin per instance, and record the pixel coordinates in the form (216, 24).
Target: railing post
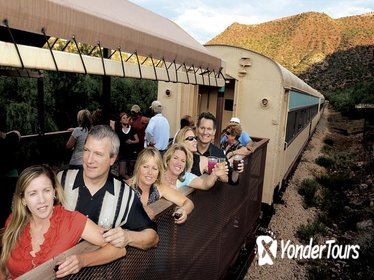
(106, 87)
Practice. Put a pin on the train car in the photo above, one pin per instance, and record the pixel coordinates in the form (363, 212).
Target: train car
(228, 81)
(133, 42)
(270, 101)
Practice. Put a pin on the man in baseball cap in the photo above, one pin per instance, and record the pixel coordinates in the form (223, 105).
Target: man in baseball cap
(235, 120)
(139, 122)
(156, 106)
(135, 109)
(244, 138)
(158, 130)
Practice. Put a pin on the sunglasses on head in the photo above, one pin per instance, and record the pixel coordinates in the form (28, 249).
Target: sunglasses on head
(191, 138)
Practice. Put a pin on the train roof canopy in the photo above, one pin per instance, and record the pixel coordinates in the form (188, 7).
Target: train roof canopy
(288, 79)
(112, 24)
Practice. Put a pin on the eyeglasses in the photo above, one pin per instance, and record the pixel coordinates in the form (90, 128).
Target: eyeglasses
(228, 133)
(191, 138)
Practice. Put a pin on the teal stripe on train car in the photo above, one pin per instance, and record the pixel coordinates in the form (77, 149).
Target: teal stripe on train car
(298, 100)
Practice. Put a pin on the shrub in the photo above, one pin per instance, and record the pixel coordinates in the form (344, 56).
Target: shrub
(362, 268)
(305, 232)
(321, 269)
(325, 161)
(333, 200)
(328, 141)
(338, 182)
(308, 189)
(326, 149)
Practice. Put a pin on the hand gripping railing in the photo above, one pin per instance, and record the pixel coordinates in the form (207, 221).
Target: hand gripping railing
(224, 220)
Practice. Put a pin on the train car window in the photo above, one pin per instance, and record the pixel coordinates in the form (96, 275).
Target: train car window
(302, 108)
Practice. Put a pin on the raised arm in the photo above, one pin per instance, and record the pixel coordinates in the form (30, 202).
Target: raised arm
(106, 254)
(185, 204)
(206, 181)
(222, 176)
(71, 143)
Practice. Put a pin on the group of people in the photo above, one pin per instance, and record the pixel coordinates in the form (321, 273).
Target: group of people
(86, 201)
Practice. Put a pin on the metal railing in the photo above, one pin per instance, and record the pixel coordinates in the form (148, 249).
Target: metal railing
(225, 219)
(44, 148)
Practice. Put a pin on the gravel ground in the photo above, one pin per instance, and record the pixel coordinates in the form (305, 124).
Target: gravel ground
(290, 215)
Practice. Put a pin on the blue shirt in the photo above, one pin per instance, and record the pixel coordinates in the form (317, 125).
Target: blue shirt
(157, 132)
(188, 177)
(244, 138)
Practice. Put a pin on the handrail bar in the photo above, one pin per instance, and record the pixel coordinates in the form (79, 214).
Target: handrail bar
(249, 193)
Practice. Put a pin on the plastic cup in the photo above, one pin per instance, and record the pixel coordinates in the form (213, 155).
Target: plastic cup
(235, 162)
(212, 161)
(222, 163)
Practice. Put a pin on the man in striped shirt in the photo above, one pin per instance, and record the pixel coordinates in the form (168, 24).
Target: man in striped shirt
(96, 193)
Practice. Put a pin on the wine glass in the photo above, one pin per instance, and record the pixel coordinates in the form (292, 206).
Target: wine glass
(106, 224)
(57, 260)
(177, 214)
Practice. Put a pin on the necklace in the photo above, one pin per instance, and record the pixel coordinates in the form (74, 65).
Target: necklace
(170, 181)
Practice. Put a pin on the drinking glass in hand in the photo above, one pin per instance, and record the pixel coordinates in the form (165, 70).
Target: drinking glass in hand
(105, 224)
(177, 214)
(236, 161)
(57, 260)
(212, 161)
(222, 163)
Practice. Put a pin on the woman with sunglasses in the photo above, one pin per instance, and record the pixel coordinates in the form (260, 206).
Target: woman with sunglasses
(177, 163)
(148, 185)
(199, 163)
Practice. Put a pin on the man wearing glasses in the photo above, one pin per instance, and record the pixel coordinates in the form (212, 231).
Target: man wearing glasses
(244, 138)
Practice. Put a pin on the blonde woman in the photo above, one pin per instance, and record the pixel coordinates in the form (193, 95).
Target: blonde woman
(178, 161)
(78, 137)
(200, 163)
(39, 228)
(148, 185)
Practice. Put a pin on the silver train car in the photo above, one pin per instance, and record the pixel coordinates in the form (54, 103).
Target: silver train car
(270, 101)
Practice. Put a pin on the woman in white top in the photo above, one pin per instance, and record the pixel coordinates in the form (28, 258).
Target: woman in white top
(199, 167)
(178, 161)
(78, 138)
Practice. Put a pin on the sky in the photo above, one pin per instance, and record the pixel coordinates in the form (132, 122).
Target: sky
(205, 19)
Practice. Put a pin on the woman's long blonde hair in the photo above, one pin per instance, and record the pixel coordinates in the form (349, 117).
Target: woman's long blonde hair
(20, 213)
(144, 156)
(180, 137)
(170, 152)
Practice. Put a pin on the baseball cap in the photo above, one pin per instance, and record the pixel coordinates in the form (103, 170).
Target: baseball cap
(155, 104)
(235, 120)
(135, 108)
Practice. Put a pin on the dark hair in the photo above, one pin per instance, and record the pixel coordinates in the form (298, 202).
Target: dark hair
(125, 112)
(208, 116)
(97, 117)
(185, 121)
(235, 130)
